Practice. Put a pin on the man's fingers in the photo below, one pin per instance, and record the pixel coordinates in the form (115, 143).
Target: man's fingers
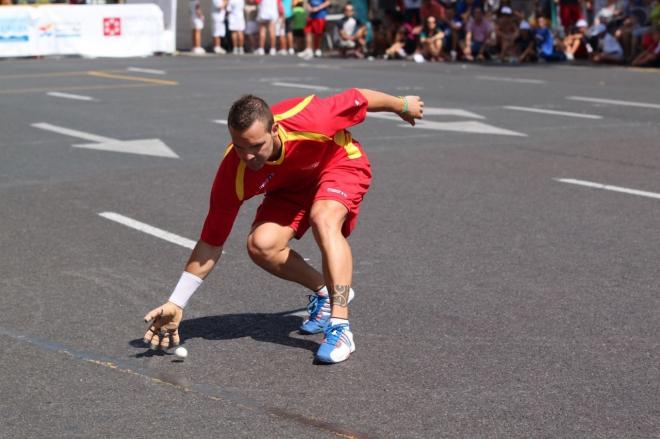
(155, 341)
(165, 341)
(150, 334)
(151, 315)
(175, 337)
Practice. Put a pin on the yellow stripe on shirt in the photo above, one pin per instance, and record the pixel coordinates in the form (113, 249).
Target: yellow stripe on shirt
(295, 110)
(344, 139)
(240, 179)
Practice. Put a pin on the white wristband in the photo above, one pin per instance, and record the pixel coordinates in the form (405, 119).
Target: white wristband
(188, 284)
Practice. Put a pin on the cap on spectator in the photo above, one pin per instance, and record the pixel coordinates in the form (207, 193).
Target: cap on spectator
(524, 25)
(506, 10)
(581, 23)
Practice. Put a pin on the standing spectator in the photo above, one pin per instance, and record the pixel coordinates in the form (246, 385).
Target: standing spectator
(526, 43)
(351, 33)
(267, 16)
(545, 42)
(477, 36)
(286, 41)
(197, 23)
(575, 44)
(430, 40)
(219, 28)
(298, 22)
(411, 12)
(317, 11)
(506, 33)
(236, 24)
(570, 11)
(432, 8)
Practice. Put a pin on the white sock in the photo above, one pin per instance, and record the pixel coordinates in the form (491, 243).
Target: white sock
(337, 321)
(322, 292)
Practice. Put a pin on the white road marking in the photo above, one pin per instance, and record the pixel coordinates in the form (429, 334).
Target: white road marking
(608, 187)
(557, 113)
(434, 111)
(149, 71)
(69, 96)
(150, 147)
(614, 102)
(518, 80)
(305, 86)
(469, 126)
(72, 133)
(220, 121)
(149, 230)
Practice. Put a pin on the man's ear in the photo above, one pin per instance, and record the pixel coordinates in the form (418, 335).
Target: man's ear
(274, 130)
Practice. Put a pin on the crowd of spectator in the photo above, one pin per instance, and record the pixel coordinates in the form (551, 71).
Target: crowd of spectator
(499, 31)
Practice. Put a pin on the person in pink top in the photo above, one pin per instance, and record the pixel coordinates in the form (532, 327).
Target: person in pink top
(478, 36)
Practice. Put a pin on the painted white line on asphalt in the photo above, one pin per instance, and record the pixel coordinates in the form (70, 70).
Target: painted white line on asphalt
(518, 80)
(608, 187)
(220, 121)
(305, 86)
(557, 113)
(69, 96)
(73, 133)
(149, 230)
(614, 102)
(149, 71)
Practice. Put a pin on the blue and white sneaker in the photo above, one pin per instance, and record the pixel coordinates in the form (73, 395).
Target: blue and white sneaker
(337, 345)
(319, 313)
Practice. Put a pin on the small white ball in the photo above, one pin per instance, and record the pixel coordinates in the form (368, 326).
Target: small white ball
(181, 352)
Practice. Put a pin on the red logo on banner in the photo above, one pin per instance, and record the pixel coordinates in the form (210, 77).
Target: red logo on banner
(112, 27)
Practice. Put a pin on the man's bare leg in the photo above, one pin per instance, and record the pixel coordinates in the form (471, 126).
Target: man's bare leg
(327, 218)
(268, 246)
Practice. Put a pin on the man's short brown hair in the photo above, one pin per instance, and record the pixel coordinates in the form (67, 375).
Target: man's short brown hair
(245, 111)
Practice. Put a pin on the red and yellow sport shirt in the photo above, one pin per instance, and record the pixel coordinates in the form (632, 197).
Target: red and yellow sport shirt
(314, 136)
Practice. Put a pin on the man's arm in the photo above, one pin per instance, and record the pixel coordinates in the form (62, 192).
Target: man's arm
(202, 259)
(408, 108)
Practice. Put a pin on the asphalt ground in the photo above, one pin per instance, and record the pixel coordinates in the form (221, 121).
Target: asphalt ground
(493, 300)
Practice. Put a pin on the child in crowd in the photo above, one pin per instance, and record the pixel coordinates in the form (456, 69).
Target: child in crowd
(197, 23)
(219, 29)
(317, 11)
(236, 24)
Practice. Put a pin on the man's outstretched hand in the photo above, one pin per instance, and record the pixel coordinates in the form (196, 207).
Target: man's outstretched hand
(165, 326)
(415, 110)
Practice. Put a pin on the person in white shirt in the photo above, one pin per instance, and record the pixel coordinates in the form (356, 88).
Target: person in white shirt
(219, 28)
(236, 24)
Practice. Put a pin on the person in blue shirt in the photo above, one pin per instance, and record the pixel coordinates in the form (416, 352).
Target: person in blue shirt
(546, 43)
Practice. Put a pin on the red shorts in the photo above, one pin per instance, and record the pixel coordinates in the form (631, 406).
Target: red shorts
(315, 26)
(570, 14)
(345, 181)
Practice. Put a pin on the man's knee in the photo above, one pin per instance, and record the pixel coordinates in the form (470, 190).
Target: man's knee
(327, 216)
(263, 244)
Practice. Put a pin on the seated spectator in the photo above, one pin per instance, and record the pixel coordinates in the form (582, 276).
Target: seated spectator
(650, 57)
(401, 47)
(351, 33)
(575, 44)
(637, 23)
(545, 43)
(506, 32)
(608, 13)
(454, 40)
(430, 40)
(478, 36)
(609, 49)
(526, 43)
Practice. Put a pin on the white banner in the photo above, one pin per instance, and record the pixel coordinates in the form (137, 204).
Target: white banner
(87, 30)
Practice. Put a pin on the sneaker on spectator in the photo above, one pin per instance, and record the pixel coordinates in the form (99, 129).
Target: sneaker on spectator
(241, 51)
(418, 58)
(272, 51)
(259, 51)
(337, 344)
(291, 51)
(282, 52)
(319, 313)
(219, 50)
(318, 53)
(306, 54)
(198, 51)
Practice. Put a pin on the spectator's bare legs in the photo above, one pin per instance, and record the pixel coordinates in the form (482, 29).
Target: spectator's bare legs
(197, 38)
(268, 247)
(327, 218)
